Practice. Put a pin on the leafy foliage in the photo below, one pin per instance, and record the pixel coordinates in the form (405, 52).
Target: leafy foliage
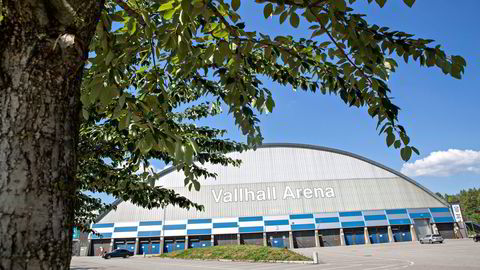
(157, 67)
(469, 202)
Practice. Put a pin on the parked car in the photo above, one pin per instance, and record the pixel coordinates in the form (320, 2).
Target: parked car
(431, 238)
(476, 237)
(123, 253)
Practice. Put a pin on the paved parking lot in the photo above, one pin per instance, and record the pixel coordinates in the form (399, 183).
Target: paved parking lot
(453, 254)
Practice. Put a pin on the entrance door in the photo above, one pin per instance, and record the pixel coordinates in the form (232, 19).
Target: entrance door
(144, 247)
(422, 227)
(155, 247)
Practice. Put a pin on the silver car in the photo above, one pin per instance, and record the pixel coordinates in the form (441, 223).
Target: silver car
(431, 238)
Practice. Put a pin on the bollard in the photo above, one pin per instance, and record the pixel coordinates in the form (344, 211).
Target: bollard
(315, 257)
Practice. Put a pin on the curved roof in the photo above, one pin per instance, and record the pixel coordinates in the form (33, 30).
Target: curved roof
(287, 162)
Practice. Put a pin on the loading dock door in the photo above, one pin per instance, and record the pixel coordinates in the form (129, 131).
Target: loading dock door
(155, 247)
(278, 239)
(422, 227)
(252, 239)
(378, 235)
(100, 246)
(225, 239)
(401, 233)
(446, 230)
(329, 238)
(144, 247)
(354, 236)
(304, 239)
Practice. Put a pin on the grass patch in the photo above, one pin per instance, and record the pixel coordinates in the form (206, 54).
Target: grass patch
(238, 253)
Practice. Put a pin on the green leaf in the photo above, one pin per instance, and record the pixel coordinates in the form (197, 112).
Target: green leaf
(283, 16)
(294, 20)
(390, 139)
(406, 153)
(397, 144)
(267, 10)
(381, 3)
(409, 2)
(235, 4)
(415, 150)
(166, 6)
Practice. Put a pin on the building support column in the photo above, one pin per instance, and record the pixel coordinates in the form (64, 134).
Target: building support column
(162, 244)
(290, 239)
(456, 231)
(111, 245)
(186, 243)
(317, 239)
(413, 232)
(239, 239)
(89, 248)
(342, 238)
(137, 242)
(265, 242)
(212, 240)
(366, 235)
(390, 234)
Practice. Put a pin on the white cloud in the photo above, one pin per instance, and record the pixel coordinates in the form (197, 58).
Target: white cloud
(444, 163)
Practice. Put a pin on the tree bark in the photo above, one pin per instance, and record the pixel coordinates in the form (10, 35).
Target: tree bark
(43, 47)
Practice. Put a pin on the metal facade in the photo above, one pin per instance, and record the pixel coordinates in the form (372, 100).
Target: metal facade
(286, 179)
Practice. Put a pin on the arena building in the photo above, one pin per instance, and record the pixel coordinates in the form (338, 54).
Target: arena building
(283, 195)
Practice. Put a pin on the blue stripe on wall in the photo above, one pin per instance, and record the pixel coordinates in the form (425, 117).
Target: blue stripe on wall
(420, 215)
(244, 219)
(199, 221)
(303, 227)
(375, 217)
(301, 216)
(102, 225)
(149, 233)
(443, 219)
(327, 220)
(175, 227)
(150, 223)
(125, 229)
(102, 235)
(199, 231)
(396, 211)
(251, 229)
(351, 224)
(276, 222)
(439, 210)
(351, 214)
(399, 221)
(225, 225)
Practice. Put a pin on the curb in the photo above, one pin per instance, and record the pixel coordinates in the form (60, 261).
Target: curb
(249, 261)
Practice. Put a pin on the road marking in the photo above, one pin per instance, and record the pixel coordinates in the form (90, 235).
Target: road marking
(340, 267)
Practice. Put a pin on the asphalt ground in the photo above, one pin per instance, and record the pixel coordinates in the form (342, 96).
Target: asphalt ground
(453, 254)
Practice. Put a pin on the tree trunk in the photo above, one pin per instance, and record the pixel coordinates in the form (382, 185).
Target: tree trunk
(43, 47)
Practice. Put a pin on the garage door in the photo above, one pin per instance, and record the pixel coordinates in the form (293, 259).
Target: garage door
(378, 235)
(329, 238)
(100, 246)
(401, 233)
(354, 236)
(226, 239)
(252, 239)
(446, 230)
(278, 239)
(304, 239)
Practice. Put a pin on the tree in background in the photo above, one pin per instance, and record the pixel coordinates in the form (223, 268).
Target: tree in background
(91, 90)
(469, 201)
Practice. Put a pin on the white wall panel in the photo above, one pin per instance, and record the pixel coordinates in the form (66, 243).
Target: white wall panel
(224, 230)
(270, 172)
(150, 228)
(279, 228)
(124, 235)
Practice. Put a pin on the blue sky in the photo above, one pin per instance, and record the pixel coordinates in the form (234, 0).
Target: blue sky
(439, 112)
